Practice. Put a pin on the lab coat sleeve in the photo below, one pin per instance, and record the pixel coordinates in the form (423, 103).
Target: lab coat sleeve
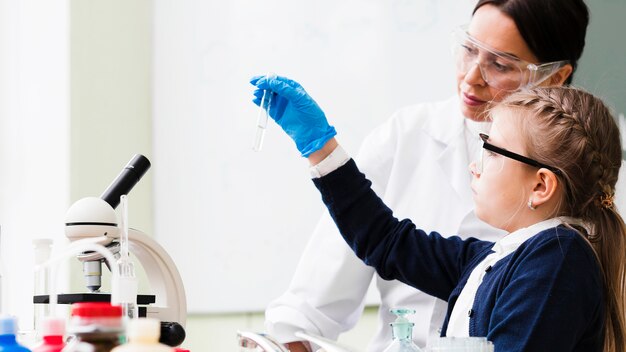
(396, 249)
(327, 292)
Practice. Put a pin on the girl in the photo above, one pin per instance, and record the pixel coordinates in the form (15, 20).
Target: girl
(546, 176)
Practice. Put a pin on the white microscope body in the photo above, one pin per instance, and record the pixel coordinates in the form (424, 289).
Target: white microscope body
(95, 218)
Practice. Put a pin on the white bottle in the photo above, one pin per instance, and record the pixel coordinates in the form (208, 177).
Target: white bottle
(143, 336)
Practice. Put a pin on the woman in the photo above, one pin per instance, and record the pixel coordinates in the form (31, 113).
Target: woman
(327, 292)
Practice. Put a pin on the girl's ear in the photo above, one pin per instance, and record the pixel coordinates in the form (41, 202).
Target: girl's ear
(545, 188)
(560, 76)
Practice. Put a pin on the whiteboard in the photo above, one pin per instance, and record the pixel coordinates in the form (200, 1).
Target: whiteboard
(236, 221)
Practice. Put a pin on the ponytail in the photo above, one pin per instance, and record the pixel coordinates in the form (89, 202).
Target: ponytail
(574, 131)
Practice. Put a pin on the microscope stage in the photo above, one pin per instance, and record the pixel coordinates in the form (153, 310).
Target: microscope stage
(69, 298)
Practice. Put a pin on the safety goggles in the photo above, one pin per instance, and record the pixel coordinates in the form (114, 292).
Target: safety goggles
(500, 70)
(490, 158)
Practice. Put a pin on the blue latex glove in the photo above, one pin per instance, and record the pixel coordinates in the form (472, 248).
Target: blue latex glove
(296, 112)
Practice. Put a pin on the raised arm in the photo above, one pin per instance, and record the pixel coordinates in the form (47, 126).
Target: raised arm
(365, 222)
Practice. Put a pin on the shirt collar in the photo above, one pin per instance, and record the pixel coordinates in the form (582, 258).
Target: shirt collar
(513, 240)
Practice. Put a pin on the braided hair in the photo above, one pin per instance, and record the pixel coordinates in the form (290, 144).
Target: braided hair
(576, 132)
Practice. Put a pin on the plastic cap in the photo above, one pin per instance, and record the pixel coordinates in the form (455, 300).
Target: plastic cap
(96, 309)
(144, 329)
(52, 327)
(181, 350)
(8, 325)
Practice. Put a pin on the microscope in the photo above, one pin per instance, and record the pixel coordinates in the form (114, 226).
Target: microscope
(95, 218)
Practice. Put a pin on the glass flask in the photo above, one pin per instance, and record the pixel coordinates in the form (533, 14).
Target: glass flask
(402, 330)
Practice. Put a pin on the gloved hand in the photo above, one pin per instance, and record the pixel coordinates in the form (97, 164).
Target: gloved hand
(295, 111)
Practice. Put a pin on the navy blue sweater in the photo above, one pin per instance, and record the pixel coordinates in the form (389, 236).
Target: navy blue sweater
(545, 296)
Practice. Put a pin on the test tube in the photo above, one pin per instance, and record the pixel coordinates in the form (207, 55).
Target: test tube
(262, 118)
(127, 279)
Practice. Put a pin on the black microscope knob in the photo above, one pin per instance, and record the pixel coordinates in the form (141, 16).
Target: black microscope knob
(172, 334)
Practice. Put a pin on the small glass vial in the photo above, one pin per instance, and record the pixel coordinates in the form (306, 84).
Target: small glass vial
(96, 327)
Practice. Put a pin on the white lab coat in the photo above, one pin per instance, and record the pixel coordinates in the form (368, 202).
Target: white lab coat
(418, 164)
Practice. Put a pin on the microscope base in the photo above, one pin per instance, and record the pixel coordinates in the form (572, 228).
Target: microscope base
(70, 298)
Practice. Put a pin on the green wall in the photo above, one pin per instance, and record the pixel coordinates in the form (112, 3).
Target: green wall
(111, 88)
(602, 69)
(110, 103)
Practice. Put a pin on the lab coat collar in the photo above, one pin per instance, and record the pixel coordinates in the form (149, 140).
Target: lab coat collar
(453, 159)
(451, 127)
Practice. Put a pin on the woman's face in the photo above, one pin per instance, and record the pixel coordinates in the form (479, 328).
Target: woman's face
(492, 27)
(502, 188)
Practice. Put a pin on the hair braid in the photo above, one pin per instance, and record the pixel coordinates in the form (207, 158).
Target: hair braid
(575, 132)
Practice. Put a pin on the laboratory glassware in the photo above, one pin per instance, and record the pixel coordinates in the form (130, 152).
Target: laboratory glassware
(258, 342)
(128, 281)
(263, 117)
(465, 344)
(402, 331)
(326, 344)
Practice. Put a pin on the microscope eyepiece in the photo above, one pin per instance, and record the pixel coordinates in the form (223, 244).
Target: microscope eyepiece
(126, 180)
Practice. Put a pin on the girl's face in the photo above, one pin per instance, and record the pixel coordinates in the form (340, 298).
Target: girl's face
(492, 27)
(502, 189)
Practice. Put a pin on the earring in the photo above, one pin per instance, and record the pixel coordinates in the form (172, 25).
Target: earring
(530, 204)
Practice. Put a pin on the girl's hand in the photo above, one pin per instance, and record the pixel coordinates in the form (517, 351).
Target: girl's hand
(295, 112)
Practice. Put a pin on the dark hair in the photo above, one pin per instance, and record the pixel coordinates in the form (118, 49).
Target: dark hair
(554, 30)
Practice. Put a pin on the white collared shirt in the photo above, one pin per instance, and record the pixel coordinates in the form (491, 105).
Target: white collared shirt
(458, 326)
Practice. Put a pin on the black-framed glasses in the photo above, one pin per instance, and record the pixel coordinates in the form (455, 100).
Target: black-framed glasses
(485, 157)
